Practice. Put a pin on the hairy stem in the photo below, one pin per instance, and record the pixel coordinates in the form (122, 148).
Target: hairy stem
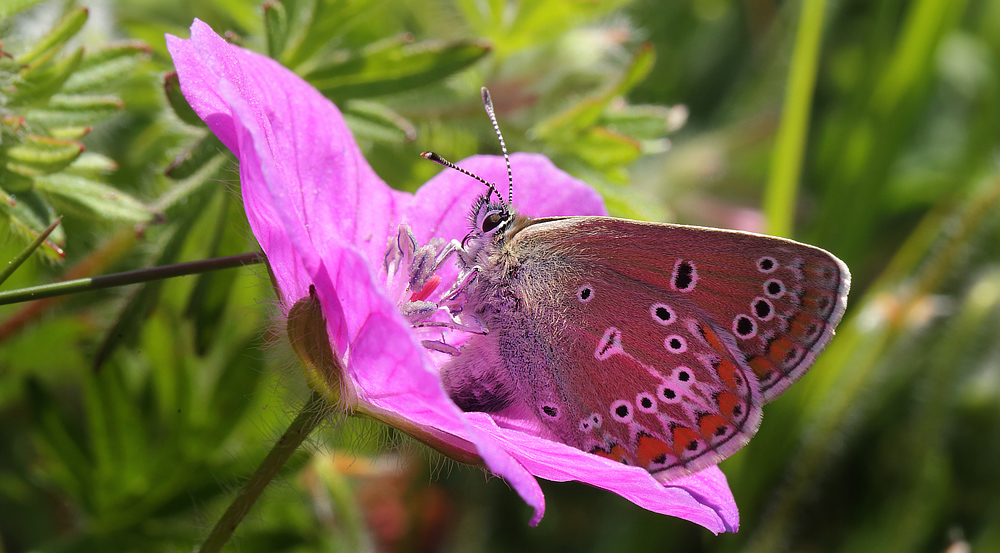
(128, 277)
(307, 420)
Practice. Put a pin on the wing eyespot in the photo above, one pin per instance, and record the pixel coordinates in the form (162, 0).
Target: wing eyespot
(767, 264)
(662, 313)
(744, 327)
(685, 276)
(621, 411)
(645, 402)
(675, 343)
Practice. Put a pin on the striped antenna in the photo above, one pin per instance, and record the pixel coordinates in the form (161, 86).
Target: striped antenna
(445, 163)
(488, 104)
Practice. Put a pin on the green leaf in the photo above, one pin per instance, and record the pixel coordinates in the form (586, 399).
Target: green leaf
(177, 200)
(314, 24)
(210, 295)
(115, 443)
(27, 215)
(13, 183)
(11, 7)
(70, 133)
(39, 82)
(275, 28)
(642, 122)
(245, 15)
(392, 68)
(586, 113)
(53, 432)
(195, 157)
(177, 101)
(90, 164)
(93, 196)
(109, 64)
(603, 148)
(143, 298)
(74, 111)
(21, 257)
(40, 155)
(375, 121)
(50, 44)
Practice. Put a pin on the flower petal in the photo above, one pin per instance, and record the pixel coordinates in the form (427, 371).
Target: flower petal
(702, 498)
(388, 369)
(329, 185)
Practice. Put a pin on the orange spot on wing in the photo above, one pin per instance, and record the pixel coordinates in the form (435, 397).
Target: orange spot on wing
(804, 328)
(727, 373)
(820, 303)
(731, 407)
(683, 438)
(713, 339)
(778, 349)
(710, 425)
(761, 366)
(615, 453)
(650, 449)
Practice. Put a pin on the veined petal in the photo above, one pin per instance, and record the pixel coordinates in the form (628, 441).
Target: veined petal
(703, 498)
(328, 185)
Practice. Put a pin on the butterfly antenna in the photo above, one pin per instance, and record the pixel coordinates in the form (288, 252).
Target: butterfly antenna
(488, 104)
(445, 163)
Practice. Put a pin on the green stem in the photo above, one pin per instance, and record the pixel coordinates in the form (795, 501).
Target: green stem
(789, 148)
(307, 420)
(26, 253)
(129, 277)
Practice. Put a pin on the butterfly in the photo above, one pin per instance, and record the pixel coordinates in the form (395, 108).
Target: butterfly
(654, 345)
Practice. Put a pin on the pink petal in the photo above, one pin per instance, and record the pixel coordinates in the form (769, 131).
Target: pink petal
(390, 371)
(328, 183)
(702, 498)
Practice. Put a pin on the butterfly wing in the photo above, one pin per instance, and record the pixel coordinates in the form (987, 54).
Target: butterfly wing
(655, 344)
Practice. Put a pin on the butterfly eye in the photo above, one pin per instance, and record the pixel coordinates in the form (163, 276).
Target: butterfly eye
(492, 221)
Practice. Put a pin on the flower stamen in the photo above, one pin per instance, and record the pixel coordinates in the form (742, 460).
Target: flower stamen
(432, 283)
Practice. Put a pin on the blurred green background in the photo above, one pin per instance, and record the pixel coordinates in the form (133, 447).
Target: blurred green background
(129, 416)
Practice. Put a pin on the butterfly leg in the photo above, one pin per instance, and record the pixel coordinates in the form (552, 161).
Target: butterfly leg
(452, 324)
(441, 346)
(421, 265)
(454, 298)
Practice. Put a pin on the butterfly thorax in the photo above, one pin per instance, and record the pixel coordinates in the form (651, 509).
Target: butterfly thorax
(493, 370)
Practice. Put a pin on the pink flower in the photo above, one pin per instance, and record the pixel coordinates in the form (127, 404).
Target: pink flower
(324, 218)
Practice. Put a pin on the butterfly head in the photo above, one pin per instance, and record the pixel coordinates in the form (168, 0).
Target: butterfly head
(490, 220)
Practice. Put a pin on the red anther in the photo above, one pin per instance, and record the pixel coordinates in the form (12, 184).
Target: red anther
(428, 289)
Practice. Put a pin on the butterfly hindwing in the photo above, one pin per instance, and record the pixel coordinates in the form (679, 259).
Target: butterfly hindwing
(656, 345)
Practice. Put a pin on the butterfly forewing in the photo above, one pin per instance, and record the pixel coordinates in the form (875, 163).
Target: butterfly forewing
(666, 340)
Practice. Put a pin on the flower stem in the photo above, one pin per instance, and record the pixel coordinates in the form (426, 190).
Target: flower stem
(26, 252)
(307, 420)
(128, 277)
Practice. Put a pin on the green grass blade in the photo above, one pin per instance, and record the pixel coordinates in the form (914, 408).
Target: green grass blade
(786, 163)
